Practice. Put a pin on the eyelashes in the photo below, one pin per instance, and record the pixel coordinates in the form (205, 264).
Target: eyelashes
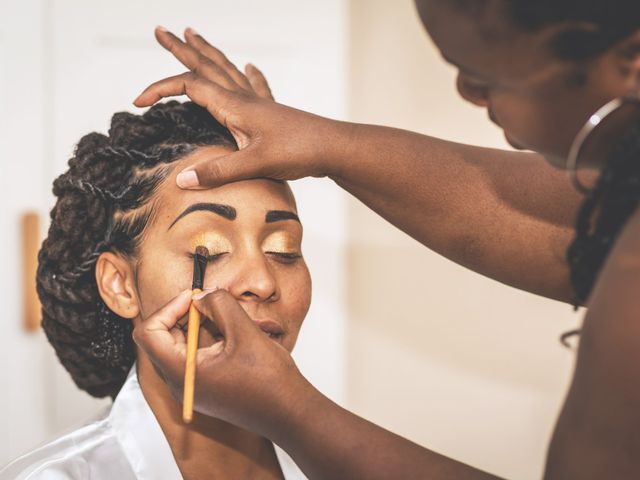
(283, 257)
(210, 258)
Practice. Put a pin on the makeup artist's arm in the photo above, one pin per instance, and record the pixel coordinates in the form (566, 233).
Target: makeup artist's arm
(253, 382)
(506, 215)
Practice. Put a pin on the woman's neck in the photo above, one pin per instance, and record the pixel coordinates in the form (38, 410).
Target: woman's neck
(208, 447)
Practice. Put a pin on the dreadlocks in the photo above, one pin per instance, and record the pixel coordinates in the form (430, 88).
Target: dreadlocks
(603, 214)
(104, 202)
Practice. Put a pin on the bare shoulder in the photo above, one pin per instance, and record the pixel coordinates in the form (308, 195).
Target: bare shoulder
(598, 432)
(616, 288)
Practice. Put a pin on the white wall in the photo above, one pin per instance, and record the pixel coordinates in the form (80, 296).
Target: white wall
(22, 356)
(65, 67)
(452, 360)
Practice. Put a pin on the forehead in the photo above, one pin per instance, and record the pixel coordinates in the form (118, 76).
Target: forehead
(484, 39)
(248, 197)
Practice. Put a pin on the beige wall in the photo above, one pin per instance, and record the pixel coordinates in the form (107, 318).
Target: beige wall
(454, 361)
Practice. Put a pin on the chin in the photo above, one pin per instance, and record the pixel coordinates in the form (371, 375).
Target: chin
(514, 143)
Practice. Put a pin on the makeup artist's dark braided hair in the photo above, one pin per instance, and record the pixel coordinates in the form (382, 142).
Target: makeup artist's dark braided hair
(604, 213)
(104, 203)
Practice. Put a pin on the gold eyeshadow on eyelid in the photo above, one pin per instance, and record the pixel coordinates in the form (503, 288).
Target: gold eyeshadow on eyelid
(214, 242)
(281, 242)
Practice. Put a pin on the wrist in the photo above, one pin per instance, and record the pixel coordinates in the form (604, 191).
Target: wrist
(291, 412)
(331, 147)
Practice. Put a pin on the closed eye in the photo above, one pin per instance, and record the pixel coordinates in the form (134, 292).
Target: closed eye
(210, 258)
(285, 257)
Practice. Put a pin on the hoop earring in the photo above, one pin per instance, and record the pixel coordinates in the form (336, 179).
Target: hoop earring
(588, 128)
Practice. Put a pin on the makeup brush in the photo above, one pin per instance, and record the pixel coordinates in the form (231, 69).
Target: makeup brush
(199, 266)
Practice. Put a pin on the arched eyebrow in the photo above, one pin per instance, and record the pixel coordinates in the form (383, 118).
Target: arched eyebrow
(225, 211)
(278, 215)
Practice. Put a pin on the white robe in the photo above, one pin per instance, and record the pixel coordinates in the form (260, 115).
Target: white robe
(125, 443)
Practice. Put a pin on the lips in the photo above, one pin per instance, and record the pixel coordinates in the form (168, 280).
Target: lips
(270, 327)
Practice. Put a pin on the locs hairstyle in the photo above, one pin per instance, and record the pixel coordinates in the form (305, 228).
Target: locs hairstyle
(104, 202)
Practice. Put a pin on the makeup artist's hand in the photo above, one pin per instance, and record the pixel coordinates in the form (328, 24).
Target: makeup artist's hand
(275, 141)
(246, 378)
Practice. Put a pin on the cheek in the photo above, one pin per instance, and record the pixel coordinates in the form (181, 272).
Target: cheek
(161, 279)
(295, 300)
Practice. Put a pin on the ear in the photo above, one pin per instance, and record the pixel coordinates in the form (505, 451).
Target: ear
(116, 284)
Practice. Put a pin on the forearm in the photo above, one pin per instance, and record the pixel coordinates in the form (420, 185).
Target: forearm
(328, 442)
(506, 215)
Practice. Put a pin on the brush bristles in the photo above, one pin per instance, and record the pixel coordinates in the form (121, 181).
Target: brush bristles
(199, 266)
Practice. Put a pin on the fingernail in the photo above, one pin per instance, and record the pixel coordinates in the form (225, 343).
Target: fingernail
(192, 31)
(187, 179)
(161, 28)
(204, 293)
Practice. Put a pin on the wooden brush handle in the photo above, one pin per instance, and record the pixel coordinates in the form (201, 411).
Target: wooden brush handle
(190, 370)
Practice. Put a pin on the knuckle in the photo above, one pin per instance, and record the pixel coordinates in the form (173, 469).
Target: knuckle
(202, 61)
(213, 172)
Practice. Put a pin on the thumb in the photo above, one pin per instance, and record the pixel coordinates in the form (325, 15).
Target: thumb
(227, 314)
(214, 172)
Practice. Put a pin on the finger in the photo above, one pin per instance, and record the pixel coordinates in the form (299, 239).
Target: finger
(207, 94)
(230, 318)
(193, 60)
(197, 41)
(154, 334)
(258, 81)
(213, 172)
(167, 87)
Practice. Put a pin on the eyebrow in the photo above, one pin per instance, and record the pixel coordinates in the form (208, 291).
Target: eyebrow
(225, 211)
(278, 215)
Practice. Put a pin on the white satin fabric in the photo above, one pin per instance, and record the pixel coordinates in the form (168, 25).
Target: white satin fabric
(124, 443)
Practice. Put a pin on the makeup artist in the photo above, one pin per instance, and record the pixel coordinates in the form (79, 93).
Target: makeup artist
(561, 77)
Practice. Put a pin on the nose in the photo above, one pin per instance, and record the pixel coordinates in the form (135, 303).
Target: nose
(253, 280)
(472, 91)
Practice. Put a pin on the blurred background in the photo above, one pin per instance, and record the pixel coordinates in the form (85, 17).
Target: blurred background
(454, 361)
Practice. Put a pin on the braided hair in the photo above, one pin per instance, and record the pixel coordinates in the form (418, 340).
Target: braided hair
(104, 201)
(603, 214)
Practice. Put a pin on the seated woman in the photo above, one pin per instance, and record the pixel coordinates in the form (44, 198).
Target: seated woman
(119, 247)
